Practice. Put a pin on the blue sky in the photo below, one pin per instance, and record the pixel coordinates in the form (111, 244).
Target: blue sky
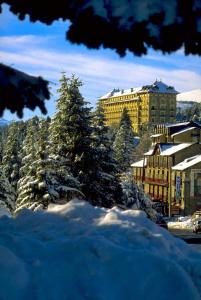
(43, 50)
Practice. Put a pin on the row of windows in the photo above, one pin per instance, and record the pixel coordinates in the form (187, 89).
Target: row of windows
(125, 97)
(169, 108)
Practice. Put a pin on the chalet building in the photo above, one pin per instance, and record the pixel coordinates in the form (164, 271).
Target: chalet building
(146, 105)
(170, 171)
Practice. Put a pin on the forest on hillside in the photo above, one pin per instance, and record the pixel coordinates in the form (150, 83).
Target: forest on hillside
(71, 155)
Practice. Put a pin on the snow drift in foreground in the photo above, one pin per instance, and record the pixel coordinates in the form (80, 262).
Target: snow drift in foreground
(76, 251)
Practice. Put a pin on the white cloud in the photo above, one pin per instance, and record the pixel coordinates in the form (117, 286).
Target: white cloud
(99, 72)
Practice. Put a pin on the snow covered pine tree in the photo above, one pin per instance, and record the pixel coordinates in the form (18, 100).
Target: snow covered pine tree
(7, 195)
(71, 136)
(13, 152)
(108, 191)
(124, 143)
(45, 179)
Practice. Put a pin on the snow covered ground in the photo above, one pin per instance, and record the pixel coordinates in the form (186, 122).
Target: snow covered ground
(76, 251)
(182, 223)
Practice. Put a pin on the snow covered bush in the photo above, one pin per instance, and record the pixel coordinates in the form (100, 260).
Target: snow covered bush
(135, 198)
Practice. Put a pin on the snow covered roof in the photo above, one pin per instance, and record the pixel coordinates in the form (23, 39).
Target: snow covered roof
(178, 124)
(150, 152)
(165, 146)
(118, 92)
(191, 96)
(183, 130)
(168, 148)
(140, 164)
(188, 162)
(174, 148)
(156, 87)
(156, 135)
(162, 147)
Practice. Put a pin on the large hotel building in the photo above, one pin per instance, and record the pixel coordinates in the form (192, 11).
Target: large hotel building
(146, 105)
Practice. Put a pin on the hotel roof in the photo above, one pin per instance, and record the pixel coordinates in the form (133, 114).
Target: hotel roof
(156, 87)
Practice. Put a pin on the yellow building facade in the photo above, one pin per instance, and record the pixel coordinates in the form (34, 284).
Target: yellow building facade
(146, 105)
(171, 171)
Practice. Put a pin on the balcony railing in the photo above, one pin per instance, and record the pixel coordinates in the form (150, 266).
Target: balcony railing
(158, 181)
(158, 198)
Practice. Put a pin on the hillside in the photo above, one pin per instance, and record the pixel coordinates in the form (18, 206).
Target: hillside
(194, 96)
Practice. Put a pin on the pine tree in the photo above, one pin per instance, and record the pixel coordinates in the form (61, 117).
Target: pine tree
(47, 179)
(124, 143)
(29, 148)
(29, 145)
(12, 152)
(3, 140)
(143, 146)
(7, 195)
(71, 135)
(108, 187)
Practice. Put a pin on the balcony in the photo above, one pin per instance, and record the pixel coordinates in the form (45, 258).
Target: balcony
(158, 198)
(156, 181)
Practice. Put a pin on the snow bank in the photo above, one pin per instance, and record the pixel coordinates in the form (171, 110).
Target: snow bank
(182, 223)
(76, 251)
(4, 212)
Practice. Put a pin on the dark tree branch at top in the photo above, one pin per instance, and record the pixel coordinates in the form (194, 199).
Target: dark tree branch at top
(133, 25)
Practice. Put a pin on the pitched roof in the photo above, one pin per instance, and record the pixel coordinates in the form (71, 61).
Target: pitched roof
(161, 146)
(156, 135)
(167, 149)
(187, 163)
(140, 164)
(175, 148)
(173, 128)
(184, 130)
(156, 87)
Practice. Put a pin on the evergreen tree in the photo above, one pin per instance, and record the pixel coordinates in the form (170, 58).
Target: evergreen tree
(71, 135)
(143, 146)
(124, 143)
(3, 140)
(29, 145)
(112, 131)
(46, 179)
(7, 195)
(12, 152)
(108, 186)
